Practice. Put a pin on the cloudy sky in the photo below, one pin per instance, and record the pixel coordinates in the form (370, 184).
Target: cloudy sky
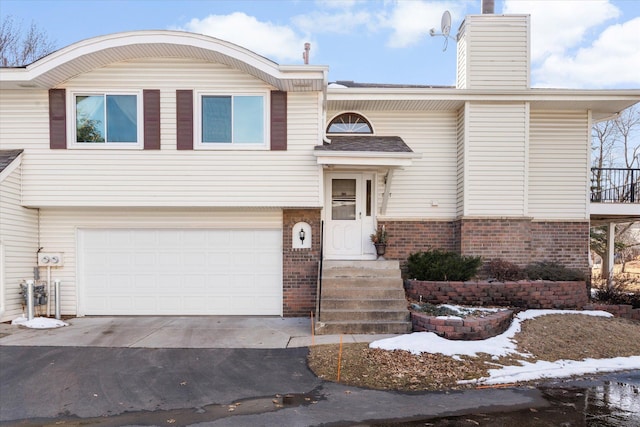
(575, 43)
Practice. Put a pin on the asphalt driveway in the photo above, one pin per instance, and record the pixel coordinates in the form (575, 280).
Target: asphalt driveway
(238, 387)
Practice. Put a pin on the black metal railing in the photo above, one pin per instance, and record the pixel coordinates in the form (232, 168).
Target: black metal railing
(615, 185)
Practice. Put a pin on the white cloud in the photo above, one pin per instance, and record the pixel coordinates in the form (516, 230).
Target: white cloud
(560, 25)
(612, 60)
(410, 21)
(343, 22)
(277, 42)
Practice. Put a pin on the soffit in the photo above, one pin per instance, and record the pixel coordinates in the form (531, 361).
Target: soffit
(91, 54)
(602, 103)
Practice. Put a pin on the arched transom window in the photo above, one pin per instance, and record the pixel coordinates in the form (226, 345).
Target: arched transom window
(349, 123)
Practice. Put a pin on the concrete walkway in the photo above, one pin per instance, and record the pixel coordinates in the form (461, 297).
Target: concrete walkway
(176, 332)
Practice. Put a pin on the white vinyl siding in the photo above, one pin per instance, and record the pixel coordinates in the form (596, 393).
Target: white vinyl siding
(168, 177)
(496, 159)
(19, 245)
(495, 52)
(59, 228)
(558, 169)
(24, 119)
(461, 61)
(430, 179)
(461, 135)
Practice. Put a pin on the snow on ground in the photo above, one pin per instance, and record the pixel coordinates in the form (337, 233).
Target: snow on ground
(502, 345)
(39, 322)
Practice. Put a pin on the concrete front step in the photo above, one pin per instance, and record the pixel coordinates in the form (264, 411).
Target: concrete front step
(362, 297)
(362, 282)
(369, 265)
(351, 327)
(360, 304)
(369, 293)
(360, 269)
(359, 272)
(334, 315)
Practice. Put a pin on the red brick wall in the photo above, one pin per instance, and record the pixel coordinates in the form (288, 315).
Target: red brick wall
(300, 266)
(564, 242)
(471, 328)
(508, 239)
(625, 311)
(406, 237)
(524, 294)
(520, 241)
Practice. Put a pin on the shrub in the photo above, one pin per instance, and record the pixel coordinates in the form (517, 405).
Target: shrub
(618, 293)
(502, 270)
(547, 270)
(441, 265)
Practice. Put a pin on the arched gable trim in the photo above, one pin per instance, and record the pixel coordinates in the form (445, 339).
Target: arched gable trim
(90, 54)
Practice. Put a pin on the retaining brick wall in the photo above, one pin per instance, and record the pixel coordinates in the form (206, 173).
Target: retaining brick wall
(471, 328)
(299, 266)
(523, 294)
(625, 311)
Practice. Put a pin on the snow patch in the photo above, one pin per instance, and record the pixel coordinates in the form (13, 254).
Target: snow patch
(39, 322)
(502, 345)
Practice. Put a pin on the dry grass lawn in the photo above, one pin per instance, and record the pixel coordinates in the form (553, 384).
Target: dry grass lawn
(550, 338)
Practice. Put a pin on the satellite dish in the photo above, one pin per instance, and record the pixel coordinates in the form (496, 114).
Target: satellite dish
(445, 23)
(445, 28)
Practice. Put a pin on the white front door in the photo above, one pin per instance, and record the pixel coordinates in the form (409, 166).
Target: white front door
(349, 216)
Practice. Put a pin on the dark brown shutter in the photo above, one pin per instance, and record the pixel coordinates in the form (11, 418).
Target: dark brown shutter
(151, 99)
(278, 120)
(184, 119)
(57, 119)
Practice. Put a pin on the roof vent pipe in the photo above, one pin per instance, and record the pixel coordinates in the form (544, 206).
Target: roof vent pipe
(488, 7)
(305, 54)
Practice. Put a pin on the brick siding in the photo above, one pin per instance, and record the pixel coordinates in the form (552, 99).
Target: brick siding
(520, 240)
(299, 266)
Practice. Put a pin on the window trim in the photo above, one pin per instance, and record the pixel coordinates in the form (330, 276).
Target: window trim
(197, 122)
(71, 124)
(355, 113)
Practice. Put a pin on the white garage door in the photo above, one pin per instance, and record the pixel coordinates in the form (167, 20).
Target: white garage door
(180, 272)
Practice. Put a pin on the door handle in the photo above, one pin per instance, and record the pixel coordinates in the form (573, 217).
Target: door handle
(360, 215)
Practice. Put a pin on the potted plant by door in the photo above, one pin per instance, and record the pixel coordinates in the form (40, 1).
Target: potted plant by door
(379, 239)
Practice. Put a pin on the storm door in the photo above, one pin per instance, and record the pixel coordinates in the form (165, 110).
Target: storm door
(349, 216)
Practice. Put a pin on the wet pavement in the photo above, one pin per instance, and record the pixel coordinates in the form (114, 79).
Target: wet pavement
(223, 371)
(90, 386)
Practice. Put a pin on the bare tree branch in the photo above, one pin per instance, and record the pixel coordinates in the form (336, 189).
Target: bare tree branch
(19, 47)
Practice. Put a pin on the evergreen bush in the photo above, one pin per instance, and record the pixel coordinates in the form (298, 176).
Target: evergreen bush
(438, 265)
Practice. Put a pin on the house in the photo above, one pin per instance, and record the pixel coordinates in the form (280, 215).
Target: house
(169, 173)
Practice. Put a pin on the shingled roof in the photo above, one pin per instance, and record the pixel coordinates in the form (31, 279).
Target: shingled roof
(7, 157)
(383, 144)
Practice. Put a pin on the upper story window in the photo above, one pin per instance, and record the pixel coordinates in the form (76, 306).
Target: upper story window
(107, 119)
(350, 123)
(236, 120)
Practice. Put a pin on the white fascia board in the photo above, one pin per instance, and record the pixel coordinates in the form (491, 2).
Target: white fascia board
(358, 158)
(615, 209)
(27, 76)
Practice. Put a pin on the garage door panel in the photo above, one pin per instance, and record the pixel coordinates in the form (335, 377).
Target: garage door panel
(180, 272)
